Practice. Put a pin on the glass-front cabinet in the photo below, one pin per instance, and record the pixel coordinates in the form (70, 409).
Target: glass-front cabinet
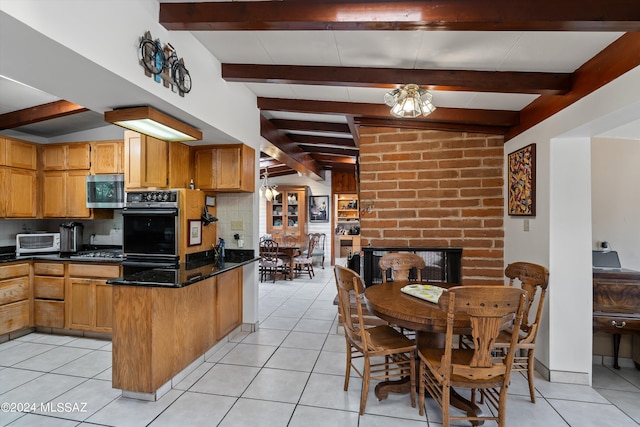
(287, 214)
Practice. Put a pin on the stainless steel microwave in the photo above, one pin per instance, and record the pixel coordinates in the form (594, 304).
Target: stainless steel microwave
(105, 191)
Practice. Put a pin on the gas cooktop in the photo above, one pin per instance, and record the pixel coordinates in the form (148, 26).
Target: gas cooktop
(100, 253)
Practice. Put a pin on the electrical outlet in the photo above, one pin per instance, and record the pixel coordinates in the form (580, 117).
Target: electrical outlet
(237, 225)
(526, 225)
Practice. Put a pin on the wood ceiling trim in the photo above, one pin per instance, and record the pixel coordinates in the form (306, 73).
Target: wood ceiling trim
(310, 126)
(446, 115)
(321, 140)
(616, 59)
(39, 113)
(340, 151)
(356, 15)
(286, 151)
(453, 127)
(452, 80)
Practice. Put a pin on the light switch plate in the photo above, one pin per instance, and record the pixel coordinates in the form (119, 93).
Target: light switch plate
(526, 225)
(237, 225)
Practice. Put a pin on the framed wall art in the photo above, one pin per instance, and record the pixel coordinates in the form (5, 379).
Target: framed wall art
(195, 232)
(318, 208)
(522, 181)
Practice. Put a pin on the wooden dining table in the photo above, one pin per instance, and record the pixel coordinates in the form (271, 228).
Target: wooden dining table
(290, 251)
(387, 301)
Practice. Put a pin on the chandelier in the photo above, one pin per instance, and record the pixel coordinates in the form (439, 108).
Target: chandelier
(409, 101)
(267, 190)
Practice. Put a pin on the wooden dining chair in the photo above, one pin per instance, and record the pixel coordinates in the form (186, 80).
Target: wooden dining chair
(488, 309)
(270, 262)
(401, 264)
(306, 261)
(531, 278)
(382, 341)
(319, 250)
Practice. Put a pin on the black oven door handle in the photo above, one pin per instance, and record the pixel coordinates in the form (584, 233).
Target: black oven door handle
(154, 211)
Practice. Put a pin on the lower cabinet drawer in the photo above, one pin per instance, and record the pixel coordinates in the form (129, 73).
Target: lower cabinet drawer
(14, 316)
(13, 290)
(48, 313)
(616, 325)
(48, 287)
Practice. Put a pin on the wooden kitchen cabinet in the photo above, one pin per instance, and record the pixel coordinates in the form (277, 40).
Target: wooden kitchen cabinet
(179, 170)
(64, 194)
(15, 304)
(225, 168)
(18, 178)
(287, 214)
(19, 189)
(74, 156)
(145, 161)
(107, 157)
(20, 154)
(229, 302)
(89, 299)
(48, 293)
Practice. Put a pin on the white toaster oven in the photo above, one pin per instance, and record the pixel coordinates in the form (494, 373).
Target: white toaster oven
(37, 243)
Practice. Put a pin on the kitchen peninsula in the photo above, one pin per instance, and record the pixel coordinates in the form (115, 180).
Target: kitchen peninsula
(166, 319)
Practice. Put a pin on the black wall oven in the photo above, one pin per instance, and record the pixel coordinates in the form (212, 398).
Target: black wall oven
(151, 230)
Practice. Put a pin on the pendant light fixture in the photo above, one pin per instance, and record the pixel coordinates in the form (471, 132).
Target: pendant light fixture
(409, 101)
(267, 190)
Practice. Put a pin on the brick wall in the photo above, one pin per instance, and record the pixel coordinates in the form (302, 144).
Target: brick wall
(435, 189)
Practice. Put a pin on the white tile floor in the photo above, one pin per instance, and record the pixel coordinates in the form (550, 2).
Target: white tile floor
(289, 373)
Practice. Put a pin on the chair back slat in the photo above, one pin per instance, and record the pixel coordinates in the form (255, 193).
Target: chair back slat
(490, 309)
(349, 283)
(401, 264)
(531, 277)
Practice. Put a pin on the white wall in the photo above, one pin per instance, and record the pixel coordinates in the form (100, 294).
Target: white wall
(564, 345)
(616, 214)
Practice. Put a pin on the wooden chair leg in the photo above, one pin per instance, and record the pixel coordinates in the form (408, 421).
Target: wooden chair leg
(530, 375)
(348, 368)
(365, 384)
(421, 369)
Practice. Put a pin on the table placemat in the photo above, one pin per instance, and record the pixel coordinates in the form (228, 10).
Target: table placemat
(429, 293)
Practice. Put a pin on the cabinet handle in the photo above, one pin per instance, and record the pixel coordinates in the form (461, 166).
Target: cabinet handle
(620, 326)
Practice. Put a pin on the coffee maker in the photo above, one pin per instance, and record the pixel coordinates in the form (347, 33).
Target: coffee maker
(71, 237)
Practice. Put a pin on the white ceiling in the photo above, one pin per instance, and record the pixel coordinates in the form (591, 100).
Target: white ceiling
(455, 50)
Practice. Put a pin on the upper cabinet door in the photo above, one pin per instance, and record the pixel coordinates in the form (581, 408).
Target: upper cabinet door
(22, 155)
(78, 156)
(205, 168)
(145, 161)
(106, 157)
(54, 157)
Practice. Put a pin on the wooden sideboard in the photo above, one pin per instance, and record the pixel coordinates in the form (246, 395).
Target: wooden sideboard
(616, 305)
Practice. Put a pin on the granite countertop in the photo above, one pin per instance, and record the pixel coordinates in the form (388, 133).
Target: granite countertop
(184, 275)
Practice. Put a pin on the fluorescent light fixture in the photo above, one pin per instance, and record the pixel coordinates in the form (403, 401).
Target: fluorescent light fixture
(154, 123)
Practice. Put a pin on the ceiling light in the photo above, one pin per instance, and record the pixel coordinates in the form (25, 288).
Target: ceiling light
(154, 123)
(409, 101)
(267, 190)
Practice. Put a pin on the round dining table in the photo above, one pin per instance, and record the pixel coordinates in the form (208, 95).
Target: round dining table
(387, 301)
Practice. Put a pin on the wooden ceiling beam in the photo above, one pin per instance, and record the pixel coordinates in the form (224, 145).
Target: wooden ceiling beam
(616, 59)
(39, 113)
(424, 125)
(310, 126)
(321, 140)
(357, 15)
(445, 115)
(283, 149)
(451, 80)
(340, 151)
